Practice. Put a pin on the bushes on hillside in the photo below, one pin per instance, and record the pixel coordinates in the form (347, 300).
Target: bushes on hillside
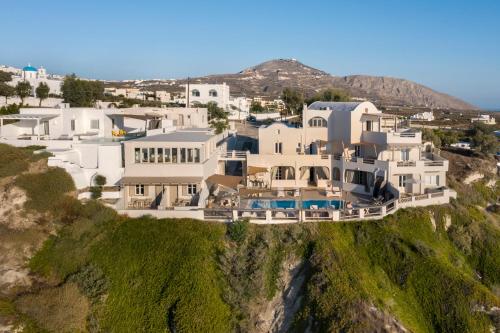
(45, 190)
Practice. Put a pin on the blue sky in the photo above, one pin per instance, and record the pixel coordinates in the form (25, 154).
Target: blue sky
(450, 46)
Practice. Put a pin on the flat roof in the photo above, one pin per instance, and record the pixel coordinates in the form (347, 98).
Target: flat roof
(334, 106)
(178, 136)
(20, 116)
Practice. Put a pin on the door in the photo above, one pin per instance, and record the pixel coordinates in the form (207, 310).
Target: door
(312, 176)
(173, 195)
(45, 128)
(158, 195)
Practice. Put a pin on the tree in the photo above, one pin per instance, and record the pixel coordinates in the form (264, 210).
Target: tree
(330, 95)
(42, 92)
(5, 76)
(81, 93)
(6, 90)
(23, 90)
(293, 100)
(483, 138)
(256, 107)
(217, 117)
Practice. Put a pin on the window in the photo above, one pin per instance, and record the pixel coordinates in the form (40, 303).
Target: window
(145, 155)
(278, 148)
(94, 124)
(139, 189)
(432, 180)
(195, 93)
(279, 174)
(174, 155)
(137, 155)
(183, 155)
(197, 155)
(357, 150)
(369, 126)
(160, 155)
(405, 154)
(191, 189)
(317, 122)
(73, 125)
(152, 155)
(336, 173)
(402, 180)
(212, 93)
(190, 155)
(167, 155)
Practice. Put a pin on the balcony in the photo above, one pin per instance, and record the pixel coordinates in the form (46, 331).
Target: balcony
(402, 136)
(431, 162)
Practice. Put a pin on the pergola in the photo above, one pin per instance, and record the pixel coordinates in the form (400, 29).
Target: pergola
(37, 117)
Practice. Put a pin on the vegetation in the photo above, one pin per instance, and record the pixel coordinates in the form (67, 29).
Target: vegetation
(42, 92)
(330, 95)
(217, 117)
(483, 138)
(256, 107)
(23, 90)
(45, 191)
(96, 191)
(81, 93)
(10, 109)
(5, 89)
(440, 138)
(293, 99)
(432, 269)
(14, 161)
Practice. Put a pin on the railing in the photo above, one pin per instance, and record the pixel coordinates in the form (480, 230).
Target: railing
(255, 214)
(421, 197)
(406, 163)
(433, 163)
(218, 214)
(317, 214)
(233, 154)
(405, 134)
(285, 214)
(405, 199)
(437, 194)
(368, 160)
(349, 214)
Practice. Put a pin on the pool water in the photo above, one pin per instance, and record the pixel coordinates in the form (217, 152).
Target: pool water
(276, 204)
(322, 204)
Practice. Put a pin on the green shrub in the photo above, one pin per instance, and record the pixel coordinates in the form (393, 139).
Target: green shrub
(237, 231)
(45, 190)
(95, 192)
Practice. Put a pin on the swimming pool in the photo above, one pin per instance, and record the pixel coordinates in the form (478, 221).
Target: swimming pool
(276, 204)
(322, 204)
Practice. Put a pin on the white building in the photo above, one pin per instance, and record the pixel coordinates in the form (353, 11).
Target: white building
(349, 147)
(36, 76)
(201, 93)
(88, 141)
(485, 119)
(170, 170)
(423, 116)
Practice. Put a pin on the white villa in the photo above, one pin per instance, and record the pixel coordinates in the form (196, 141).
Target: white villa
(346, 147)
(485, 119)
(88, 141)
(346, 161)
(423, 116)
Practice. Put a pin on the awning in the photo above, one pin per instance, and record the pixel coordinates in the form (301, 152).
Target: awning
(227, 181)
(252, 170)
(160, 180)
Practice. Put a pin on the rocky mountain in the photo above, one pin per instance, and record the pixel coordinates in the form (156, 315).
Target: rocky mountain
(271, 77)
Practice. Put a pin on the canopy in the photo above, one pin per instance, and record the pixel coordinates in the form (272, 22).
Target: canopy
(252, 170)
(227, 181)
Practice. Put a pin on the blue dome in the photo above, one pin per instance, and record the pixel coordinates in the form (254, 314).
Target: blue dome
(29, 69)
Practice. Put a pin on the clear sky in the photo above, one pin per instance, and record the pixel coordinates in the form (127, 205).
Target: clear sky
(450, 46)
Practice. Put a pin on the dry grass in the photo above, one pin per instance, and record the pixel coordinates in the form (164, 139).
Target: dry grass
(61, 309)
